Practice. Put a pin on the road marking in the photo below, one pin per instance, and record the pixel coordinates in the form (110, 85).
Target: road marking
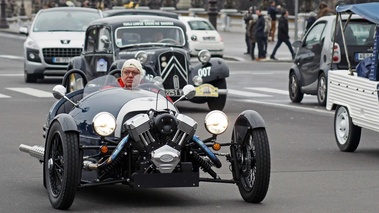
(249, 72)
(32, 92)
(246, 94)
(6, 75)
(4, 96)
(11, 57)
(269, 90)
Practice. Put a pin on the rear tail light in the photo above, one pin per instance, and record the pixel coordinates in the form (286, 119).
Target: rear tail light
(336, 57)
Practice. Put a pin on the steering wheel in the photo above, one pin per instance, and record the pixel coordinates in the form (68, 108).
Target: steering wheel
(168, 40)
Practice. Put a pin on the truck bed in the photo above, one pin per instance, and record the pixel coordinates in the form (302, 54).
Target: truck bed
(358, 94)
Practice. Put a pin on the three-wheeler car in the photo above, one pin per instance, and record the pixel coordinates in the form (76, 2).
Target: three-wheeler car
(104, 134)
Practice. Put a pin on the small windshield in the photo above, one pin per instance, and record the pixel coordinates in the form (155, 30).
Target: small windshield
(110, 81)
(77, 21)
(164, 35)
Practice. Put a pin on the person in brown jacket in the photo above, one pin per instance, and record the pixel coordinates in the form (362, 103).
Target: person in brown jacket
(250, 33)
(324, 10)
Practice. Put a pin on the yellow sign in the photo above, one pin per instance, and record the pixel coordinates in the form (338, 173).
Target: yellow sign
(206, 90)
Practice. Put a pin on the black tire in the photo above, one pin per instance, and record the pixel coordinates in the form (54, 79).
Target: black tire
(219, 102)
(295, 93)
(253, 158)
(322, 90)
(30, 78)
(346, 133)
(62, 166)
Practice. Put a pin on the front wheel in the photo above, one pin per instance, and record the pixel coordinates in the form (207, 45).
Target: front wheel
(253, 157)
(346, 133)
(219, 102)
(61, 166)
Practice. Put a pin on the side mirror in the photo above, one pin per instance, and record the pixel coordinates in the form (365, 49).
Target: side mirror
(23, 30)
(104, 39)
(189, 91)
(59, 91)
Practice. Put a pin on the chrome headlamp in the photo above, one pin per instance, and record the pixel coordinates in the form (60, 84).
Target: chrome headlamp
(216, 122)
(197, 80)
(141, 56)
(104, 123)
(204, 56)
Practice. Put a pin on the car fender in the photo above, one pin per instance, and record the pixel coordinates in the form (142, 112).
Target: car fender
(296, 70)
(248, 119)
(215, 69)
(76, 62)
(324, 69)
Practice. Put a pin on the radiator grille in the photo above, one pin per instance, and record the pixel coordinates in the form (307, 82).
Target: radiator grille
(50, 53)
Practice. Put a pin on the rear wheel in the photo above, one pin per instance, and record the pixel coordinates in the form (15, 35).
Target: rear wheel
(253, 157)
(321, 90)
(61, 166)
(346, 133)
(295, 93)
(219, 102)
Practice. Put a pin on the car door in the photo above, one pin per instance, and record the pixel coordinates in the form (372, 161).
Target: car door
(98, 51)
(309, 54)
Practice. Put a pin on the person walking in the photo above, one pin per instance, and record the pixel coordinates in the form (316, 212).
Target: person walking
(283, 35)
(272, 11)
(260, 35)
(247, 17)
(250, 30)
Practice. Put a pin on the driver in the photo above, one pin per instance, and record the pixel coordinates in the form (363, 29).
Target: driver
(157, 36)
(131, 74)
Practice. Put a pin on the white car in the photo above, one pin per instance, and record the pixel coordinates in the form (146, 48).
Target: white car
(202, 35)
(55, 36)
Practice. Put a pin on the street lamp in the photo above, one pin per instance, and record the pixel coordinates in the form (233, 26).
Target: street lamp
(22, 9)
(3, 19)
(212, 12)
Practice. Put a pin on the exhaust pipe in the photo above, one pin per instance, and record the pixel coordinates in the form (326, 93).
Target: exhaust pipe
(34, 151)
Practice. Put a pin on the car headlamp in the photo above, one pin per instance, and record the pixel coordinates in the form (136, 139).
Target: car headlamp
(197, 80)
(216, 122)
(30, 43)
(204, 56)
(104, 123)
(141, 56)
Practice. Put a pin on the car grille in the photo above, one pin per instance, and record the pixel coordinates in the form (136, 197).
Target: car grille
(173, 70)
(50, 53)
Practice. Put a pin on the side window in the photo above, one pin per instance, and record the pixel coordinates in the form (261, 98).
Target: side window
(104, 43)
(90, 41)
(316, 34)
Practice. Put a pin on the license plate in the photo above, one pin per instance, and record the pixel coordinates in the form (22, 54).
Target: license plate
(173, 92)
(209, 38)
(61, 59)
(361, 56)
(206, 90)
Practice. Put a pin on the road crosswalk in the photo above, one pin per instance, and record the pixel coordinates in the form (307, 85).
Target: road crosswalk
(248, 92)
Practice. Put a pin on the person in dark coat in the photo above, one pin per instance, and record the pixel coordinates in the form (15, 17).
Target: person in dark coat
(283, 35)
(260, 35)
(273, 10)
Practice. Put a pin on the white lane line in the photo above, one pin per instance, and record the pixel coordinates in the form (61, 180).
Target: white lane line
(246, 94)
(11, 57)
(32, 92)
(11, 74)
(4, 96)
(269, 90)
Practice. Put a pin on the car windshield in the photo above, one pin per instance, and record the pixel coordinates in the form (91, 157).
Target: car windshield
(200, 25)
(50, 21)
(163, 35)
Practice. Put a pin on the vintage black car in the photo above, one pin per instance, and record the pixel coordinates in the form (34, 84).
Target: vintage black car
(160, 44)
(105, 134)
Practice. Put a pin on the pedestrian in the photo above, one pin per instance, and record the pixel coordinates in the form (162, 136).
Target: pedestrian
(310, 20)
(272, 11)
(260, 35)
(283, 35)
(324, 10)
(247, 17)
(250, 31)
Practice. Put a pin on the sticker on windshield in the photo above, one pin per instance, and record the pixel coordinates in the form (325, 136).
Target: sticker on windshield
(101, 65)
